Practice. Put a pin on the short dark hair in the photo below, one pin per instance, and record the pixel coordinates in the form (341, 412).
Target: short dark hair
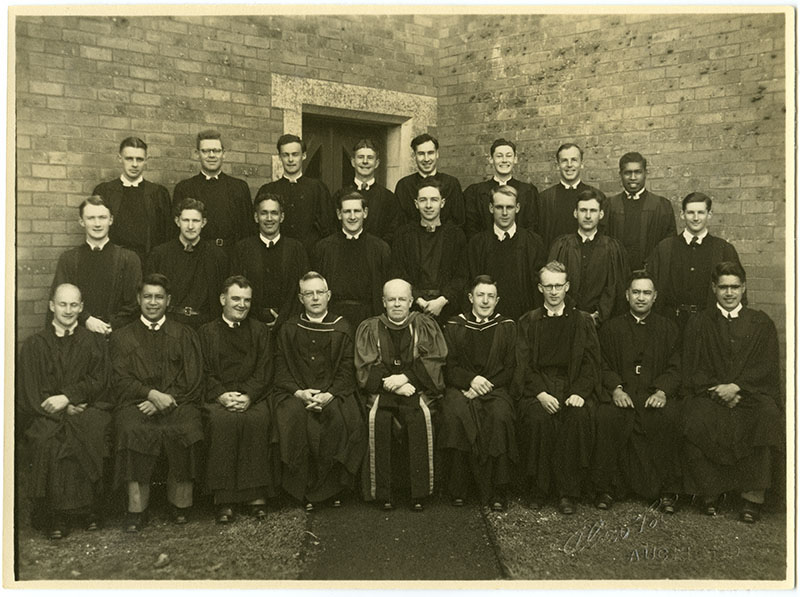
(134, 142)
(482, 279)
(209, 134)
(632, 157)
(588, 195)
(351, 196)
(640, 274)
(503, 189)
(237, 280)
(366, 143)
(555, 267)
(262, 196)
(728, 268)
(155, 279)
(499, 143)
(564, 146)
(189, 203)
(696, 198)
(424, 138)
(430, 181)
(94, 200)
(289, 138)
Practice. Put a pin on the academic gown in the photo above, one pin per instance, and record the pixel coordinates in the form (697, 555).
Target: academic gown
(168, 360)
(417, 349)
(480, 430)
(241, 445)
(657, 222)
(556, 209)
(383, 211)
(729, 448)
(638, 448)
(453, 209)
(478, 198)
(556, 449)
(66, 451)
(320, 451)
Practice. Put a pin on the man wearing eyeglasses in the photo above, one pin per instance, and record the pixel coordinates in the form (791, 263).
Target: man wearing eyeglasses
(227, 199)
(733, 400)
(322, 436)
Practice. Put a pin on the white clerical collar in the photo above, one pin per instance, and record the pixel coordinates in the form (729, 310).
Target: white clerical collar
(557, 313)
(293, 178)
(61, 331)
(730, 314)
(364, 185)
(502, 182)
(131, 183)
(427, 175)
(149, 324)
(568, 186)
(231, 324)
(585, 237)
(267, 241)
(501, 234)
(349, 236)
(431, 226)
(638, 320)
(399, 323)
(210, 176)
(635, 196)
(317, 319)
(687, 236)
(93, 244)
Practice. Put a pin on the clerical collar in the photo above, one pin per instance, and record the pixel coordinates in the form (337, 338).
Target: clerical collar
(231, 324)
(635, 196)
(399, 324)
(431, 175)
(364, 185)
(97, 245)
(293, 179)
(688, 236)
(153, 325)
(568, 186)
(349, 236)
(210, 176)
(433, 226)
(267, 241)
(585, 237)
(638, 320)
(502, 182)
(501, 234)
(316, 319)
(131, 183)
(730, 314)
(557, 313)
(61, 331)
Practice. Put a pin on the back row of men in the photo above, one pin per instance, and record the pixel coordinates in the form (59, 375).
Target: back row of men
(514, 231)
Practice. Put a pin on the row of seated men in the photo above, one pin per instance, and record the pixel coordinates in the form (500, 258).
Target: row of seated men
(306, 407)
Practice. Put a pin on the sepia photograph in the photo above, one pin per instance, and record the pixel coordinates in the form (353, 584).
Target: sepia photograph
(436, 297)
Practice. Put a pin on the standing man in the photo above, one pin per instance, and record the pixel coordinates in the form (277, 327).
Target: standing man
(158, 385)
(558, 377)
(510, 254)
(637, 414)
(141, 207)
(321, 432)
(107, 275)
(429, 254)
(384, 211)
(425, 150)
(306, 201)
(227, 199)
(733, 414)
(681, 265)
(194, 266)
(399, 361)
(62, 399)
(355, 262)
(556, 204)
(477, 432)
(503, 158)
(637, 218)
(272, 262)
(238, 366)
(596, 263)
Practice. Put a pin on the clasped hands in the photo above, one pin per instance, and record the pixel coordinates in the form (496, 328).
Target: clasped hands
(156, 402)
(398, 384)
(726, 394)
(57, 403)
(315, 400)
(235, 402)
(479, 386)
(432, 307)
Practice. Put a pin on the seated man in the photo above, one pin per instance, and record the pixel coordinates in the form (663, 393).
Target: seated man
(399, 360)
(733, 410)
(195, 267)
(557, 376)
(62, 398)
(158, 383)
(319, 425)
(237, 361)
(476, 430)
(637, 425)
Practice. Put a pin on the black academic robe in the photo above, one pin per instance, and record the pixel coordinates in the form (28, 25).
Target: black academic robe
(556, 449)
(320, 451)
(306, 207)
(726, 448)
(599, 283)
(453, 210)
(331, 258)
(241, 446)
(168, 360)
(637, 448)
(158, 225)
(556, 207)
(483, 428)
(195, 278)
(66, 451)
(515, 269)
(478, 197)
(229, 208)
(657, 222)
(383, 210)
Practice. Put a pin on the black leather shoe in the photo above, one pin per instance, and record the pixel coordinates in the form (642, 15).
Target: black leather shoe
(566, 506)
(458, 502)
(497, 505)
(711, 506)
(224, 514)
(388, 506)
(258, 511)
(603, 501)
(309, 507)
(180, 515)
(58, 528)
(134, 521)
(337, 503)
(668, 504)
(418, 506)
(750, 512)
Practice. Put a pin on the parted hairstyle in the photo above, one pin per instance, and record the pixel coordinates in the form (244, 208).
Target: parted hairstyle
(555, 267)
(134, 142)
(263, 195)
(503, 189)
(482, 279)
(564, 146)
(632, 157)
(588, 195)
(94, 200)
(696, 198)
(430, 182)
(366, 143)
(155, 280)
(190, 203)
(640, 274)
(424, 138)
(237, 280)
(209, 134)
(728, 268)
(352, 196)
(289, 138)
(500, 143)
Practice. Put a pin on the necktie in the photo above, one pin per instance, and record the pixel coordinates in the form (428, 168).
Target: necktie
(154, 327)
(364, 187)
(270, 244)
(506, 236)
(236, 324)
(694, 242)
(188, 248)
(97, 249)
